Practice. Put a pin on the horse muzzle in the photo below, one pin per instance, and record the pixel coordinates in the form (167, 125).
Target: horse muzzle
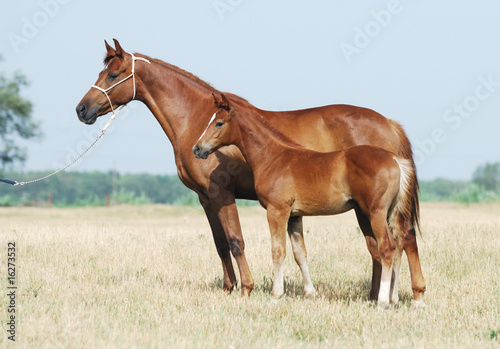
(85, 115)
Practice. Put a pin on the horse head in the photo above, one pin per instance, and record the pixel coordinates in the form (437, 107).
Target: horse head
(218, 132)
(115, 85)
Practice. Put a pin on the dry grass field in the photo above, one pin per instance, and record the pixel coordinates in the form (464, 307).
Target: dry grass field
(150, 277)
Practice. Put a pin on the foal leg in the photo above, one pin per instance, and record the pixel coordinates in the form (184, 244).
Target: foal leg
(371, 243)
(295, 231)
(409, 242)
(277, 220)
(396, 268)
(222, 247)
(225, 207)
(386, 246)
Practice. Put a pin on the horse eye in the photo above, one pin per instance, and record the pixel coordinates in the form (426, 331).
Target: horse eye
(112, 76)
(219, 124)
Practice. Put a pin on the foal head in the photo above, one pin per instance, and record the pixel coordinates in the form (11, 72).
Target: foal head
(219, 131)
(115, 85)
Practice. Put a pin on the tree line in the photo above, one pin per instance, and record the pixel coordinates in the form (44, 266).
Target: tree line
(101, 188)
(94, 189)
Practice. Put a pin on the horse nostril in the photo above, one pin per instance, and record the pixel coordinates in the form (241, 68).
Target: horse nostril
(81, 110)
(196, 150)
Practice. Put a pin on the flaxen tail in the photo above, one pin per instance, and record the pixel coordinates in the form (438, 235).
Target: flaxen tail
(403, 209)
(412, 188)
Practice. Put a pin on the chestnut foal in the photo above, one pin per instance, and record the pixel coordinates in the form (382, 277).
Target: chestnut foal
(293, 181)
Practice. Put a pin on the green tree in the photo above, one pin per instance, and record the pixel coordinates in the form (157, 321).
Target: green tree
(15, 118)
(488, 176)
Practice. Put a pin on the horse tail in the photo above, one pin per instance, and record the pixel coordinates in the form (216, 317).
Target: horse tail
(405, 152)
(403, 208)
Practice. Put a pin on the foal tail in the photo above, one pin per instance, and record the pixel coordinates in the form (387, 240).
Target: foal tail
(404, 208)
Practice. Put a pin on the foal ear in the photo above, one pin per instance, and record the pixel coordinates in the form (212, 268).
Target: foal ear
(110, 50)
(119, 50)
(225, 103)
(216, 102)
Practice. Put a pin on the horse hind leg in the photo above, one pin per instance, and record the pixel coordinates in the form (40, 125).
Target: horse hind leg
(396, 267)
(296, 233)
(409, 242)
(386, 246)
(371, 244)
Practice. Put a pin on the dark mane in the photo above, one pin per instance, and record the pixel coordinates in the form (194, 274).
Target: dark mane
(180, 71)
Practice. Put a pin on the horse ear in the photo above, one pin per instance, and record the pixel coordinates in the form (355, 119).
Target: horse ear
(119, 50)
(225, 102)
(110, 50)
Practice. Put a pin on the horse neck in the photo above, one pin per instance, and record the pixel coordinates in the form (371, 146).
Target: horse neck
(258, 141)
(176, 101)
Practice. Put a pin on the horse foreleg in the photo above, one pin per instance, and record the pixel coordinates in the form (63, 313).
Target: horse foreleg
(296, 233)
(225, 207)
(417, 279)
(222, 247)
(277, 220)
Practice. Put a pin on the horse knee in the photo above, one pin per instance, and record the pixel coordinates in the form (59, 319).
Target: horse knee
(278, 253)
(387, 249)
(237, 247)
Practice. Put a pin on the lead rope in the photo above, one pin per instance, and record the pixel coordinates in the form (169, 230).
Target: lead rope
(113, 116)
(16, 183)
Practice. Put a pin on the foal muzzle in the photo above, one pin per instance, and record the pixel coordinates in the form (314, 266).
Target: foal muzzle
(200, 152)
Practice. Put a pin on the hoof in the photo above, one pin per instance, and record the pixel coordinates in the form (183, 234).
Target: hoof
(383, 306)
(310, 294)
(245, 291)
(276, 295)
(228, 289)
(275, 301)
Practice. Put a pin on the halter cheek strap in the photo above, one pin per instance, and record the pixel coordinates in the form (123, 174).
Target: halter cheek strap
(132, 75)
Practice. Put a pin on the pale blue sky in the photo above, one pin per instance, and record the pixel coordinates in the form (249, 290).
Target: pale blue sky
(432, 66)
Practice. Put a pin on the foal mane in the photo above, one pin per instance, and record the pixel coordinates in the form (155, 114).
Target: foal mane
(275, 133)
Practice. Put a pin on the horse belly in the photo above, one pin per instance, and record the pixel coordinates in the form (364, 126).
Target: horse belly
(325, 204)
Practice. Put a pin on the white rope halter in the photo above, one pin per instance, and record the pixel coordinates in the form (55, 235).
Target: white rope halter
(132, 75)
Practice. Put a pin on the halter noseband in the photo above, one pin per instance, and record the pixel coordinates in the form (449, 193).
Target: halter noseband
(132, 75)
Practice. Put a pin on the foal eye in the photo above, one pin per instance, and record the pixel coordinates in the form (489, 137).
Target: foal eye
(112, 76)
(219, 124)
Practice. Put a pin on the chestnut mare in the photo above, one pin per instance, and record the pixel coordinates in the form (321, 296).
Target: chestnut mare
(183, 105)
(293, 181)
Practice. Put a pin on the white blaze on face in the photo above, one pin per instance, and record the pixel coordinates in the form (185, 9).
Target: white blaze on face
(211, 120)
